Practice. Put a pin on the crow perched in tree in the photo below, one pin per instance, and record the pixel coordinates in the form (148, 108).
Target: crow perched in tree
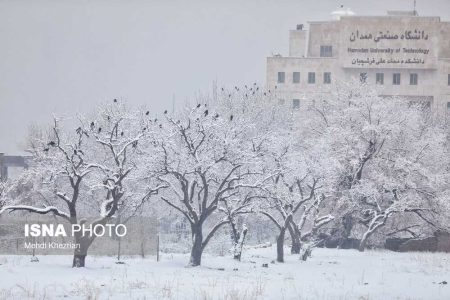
(165, 112)
(216, 116)
(115, 100)
(121, 134)
(51, 143)
(147, 113)
(99, 129)
(109, 118)
(160, 126)
(156, 120)
(231, 118)
(206, 113)
(264, 94)
(198, 105)
(92, 125)
(134, 144)
(46, 149)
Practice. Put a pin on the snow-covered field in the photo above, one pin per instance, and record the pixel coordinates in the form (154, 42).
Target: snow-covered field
(328, 274)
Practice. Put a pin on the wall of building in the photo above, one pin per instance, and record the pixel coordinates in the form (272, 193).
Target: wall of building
(323, 34)
(404, 44)
(289, 90)
(444, 40)
(442, 80)
(297, 43)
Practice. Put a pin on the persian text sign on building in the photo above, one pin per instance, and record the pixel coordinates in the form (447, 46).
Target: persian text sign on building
(375, 44)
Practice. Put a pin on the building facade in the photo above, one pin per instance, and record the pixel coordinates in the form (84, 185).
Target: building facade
(403, 53)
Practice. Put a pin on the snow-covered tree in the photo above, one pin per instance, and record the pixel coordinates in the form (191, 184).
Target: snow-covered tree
(388, 151)
(294, 200)
(56, 176)
(2, 189)
(211, 155)
(71, 169)
(232, 208)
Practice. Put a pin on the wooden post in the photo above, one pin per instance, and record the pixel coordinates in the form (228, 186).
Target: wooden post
(157, 247)
(119, 248)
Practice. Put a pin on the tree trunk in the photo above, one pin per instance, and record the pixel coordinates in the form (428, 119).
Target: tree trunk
(235, 238)
(306, 251)
(79, 260)
(295, 238)
(280, 245)
(240, 244)
(363, 242)
(376, 223)
(347, 226)
(197, 245)
(79, 254)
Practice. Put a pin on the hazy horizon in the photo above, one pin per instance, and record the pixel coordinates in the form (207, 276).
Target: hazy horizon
(60, 57)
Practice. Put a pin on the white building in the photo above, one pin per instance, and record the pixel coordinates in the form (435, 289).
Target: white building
(407, 55)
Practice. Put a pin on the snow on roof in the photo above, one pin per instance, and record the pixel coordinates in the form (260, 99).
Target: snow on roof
(342, 11)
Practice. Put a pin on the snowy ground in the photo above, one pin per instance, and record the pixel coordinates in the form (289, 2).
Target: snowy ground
(329, 274)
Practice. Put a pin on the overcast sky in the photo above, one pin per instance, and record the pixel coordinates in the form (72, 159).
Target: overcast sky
(61, 56)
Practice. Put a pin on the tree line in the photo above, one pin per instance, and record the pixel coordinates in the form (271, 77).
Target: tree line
(348, 161)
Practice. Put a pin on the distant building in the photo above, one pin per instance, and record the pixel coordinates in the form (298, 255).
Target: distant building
(8, 161)
(403, 53)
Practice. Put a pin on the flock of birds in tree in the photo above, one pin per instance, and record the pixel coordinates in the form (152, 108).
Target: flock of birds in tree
(79, 130)
(248, 90)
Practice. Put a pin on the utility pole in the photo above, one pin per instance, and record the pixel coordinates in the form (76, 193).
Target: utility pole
(173, 103)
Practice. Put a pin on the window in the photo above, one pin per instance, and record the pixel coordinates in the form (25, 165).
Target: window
(311, 77)
(327, 78)
(295, 103)
(379, 78)
(180, 226)
(363, 77)
(448, 79)
(396, 79)
(296, 77)
(281, 77)
(448, 105)
(326, 51)
(413, 78)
